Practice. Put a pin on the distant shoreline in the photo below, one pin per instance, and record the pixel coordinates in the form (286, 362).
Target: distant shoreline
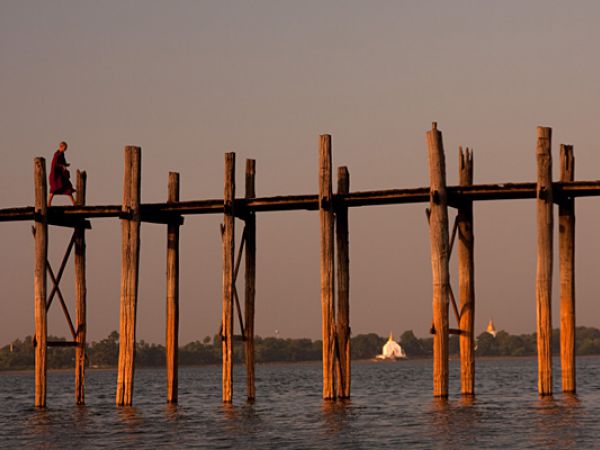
(271, 363)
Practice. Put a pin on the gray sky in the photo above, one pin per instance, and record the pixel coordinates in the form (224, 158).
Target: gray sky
(190, 80)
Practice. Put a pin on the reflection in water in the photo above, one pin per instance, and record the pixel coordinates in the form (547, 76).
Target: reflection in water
(81, 416)
(440, 424)
(171, 412)
(335, 415)
(555, 422)
(130, 416)
(40, 422)
(391, 407)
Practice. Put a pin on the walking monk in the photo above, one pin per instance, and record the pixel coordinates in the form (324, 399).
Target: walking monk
(60, 183)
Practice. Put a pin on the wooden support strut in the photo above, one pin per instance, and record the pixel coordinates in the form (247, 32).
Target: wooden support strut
(466, 278)
(172, 333)
(327, 265)
(438, 231)
(566, 236)
(544, 203)
(250, 280)
(130, 251)
(80, 295)
(343, 283)
(41, 256)
(228, 277)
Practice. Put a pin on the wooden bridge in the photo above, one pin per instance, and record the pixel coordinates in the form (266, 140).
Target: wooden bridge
(333, 211)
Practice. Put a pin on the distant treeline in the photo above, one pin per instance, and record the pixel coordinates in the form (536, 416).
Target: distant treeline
(20, 353)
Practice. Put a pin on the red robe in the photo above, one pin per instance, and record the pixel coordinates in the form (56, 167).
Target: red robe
(60, 182)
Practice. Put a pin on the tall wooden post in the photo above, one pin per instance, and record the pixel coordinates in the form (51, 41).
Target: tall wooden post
(544, 259)
(172, 333)
(41, 256)
(250, 280)
(130, 255)
(466, 278)
(343, 283)
(327, 265)
(438, 232)
(80, 296)
(566, 235)
(228, 276)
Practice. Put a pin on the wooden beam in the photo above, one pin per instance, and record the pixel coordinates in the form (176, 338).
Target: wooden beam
(250, 280)
(544, 203)
(228, 276)
(80, 295)
(327, 265)
(438, 232)
(343, 283)
(466, 278)
(130, 230)
(172, 333)
(566, 236)
(41, 255)
(164, 212)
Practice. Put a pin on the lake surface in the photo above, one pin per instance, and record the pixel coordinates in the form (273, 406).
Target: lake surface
(391, 407)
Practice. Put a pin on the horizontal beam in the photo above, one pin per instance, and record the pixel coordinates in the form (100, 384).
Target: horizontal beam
(158, 212)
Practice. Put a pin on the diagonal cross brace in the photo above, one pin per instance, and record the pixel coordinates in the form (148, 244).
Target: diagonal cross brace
(451, 246)
(235, 274)
(62, 300)
(56, 281)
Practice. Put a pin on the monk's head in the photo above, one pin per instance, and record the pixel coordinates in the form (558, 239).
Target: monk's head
(62, 146)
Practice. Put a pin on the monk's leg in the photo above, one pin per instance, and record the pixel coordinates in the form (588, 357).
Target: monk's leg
(50, 197)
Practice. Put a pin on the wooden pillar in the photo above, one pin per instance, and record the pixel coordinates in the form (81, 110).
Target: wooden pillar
(466, 278)
(566, 235)
(343, 283)
(130, 230)
(41, 256)
(250, 280)
(544, 259)
(438, 232)
(172, 334)
(80, 296)
(228, 276)
(327, 265)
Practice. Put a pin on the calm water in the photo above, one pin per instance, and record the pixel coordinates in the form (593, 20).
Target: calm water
(391, 408)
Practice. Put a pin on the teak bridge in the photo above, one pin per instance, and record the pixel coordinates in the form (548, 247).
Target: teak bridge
(333, 212)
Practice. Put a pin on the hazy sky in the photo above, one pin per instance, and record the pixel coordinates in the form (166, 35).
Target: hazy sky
(190, 80)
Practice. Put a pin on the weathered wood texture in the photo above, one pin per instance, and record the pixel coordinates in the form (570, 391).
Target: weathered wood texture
(438, 233)
(545, 223)
(327, 265)
(130, 252)
(41, 256)
(466, 278)
(172, 333)
(250, 280)
(343, 284)
(80, 295)
(566, 235)
(228, 276)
